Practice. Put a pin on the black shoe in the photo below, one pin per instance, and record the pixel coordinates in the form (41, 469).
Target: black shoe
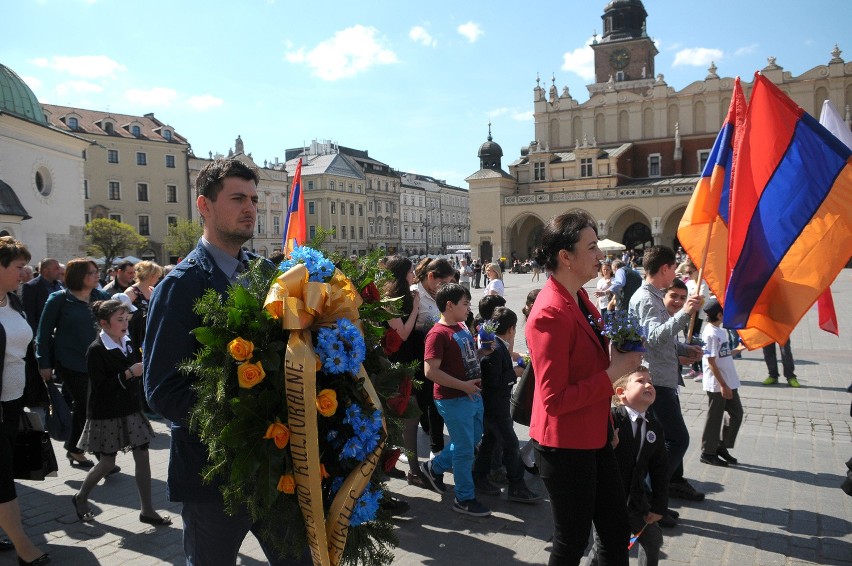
(78, 459)
(6, 544)
(157, 521)
(675, 515)
(523, 494)
(667, 522)
(114, 471)
(683, 490)
(713, 460)
(87, 516)
(532, 469)
(485, 487)
(435, 480)
(723, 453)
(40, 561)
(395, 506)
(395, 473)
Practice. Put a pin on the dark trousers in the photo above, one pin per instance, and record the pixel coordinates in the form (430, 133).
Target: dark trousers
(666, 409)
(213, 538)
(716, 410)
(771, 359)
(477, 277)
(499, 432)
(430, 419)
(584, 488)
(650, 541)
(77, 385)
(10, 418)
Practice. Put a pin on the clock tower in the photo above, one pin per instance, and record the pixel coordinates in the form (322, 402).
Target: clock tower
(624, 56)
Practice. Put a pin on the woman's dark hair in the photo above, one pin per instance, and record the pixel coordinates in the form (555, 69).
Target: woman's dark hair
(76, 271)
(397, 286)
(11, 249)
(562, 233)
(103, 310)
(440, 267)
(531, 296)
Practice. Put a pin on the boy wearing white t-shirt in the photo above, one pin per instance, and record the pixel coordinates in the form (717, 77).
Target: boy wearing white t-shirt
(721, 383)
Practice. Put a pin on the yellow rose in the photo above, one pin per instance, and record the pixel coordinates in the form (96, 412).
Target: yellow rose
(327, 402)
(279, 433)
(287, 484)
(249, 374)
(240, 349)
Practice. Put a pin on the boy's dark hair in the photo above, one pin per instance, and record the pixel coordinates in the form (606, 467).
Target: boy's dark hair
(678, 284)
(505, 319)
(450, 293)
(713, 310)
(488, 303)
(210, 178)
(656, 257)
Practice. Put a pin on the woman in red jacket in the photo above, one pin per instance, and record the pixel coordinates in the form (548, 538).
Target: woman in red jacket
(570, 417)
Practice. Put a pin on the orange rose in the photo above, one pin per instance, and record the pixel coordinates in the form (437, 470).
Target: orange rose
(287, 484)
(279, 433)
(240, 349)
(327, 402)
(249, 374)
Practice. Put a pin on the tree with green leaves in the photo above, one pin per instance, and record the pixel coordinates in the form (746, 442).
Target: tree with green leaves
(183, 236)
(111, 239)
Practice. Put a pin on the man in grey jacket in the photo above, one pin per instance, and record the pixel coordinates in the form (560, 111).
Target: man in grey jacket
(663, 351)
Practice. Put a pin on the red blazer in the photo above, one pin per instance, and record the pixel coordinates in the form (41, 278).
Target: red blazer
(572, 390)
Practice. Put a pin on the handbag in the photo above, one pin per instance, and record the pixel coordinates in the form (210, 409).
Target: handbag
(58, 415)
(522, 397)
(33, 453)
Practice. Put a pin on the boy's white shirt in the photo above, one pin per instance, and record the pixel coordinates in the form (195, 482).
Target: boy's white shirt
(716, 343)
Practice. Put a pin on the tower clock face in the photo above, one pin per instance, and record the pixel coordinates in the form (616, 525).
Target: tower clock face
(619, 58)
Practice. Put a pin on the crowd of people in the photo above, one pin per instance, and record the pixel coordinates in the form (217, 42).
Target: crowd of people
(602, 420)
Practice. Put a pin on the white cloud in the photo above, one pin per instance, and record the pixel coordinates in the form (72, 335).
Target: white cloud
(204, 102)
(77, 87)
(748, 49)
(421, 36)
(471, 31)
(497, 112)
(581, 61)
(696, 56)
(33, 82)
(157, 96)
(523, 116)
(86, 66)
(351, 51)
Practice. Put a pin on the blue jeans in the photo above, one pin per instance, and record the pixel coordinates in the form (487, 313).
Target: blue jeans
(463, 417)
(667, 411)
(213, 538)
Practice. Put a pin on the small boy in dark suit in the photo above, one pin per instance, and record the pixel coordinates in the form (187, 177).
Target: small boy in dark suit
(640, 451)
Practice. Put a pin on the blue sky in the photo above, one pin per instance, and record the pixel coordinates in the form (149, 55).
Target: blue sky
(414, 83)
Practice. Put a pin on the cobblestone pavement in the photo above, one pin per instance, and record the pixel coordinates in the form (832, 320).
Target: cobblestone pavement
(780, 506)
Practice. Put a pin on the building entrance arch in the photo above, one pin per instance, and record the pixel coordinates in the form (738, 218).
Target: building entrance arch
(638, 236)
(525, 236)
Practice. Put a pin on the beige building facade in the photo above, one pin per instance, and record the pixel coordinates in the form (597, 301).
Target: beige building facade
(135, 172)
(630, 155)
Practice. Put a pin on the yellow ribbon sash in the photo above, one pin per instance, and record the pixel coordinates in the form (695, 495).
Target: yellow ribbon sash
(302, 306)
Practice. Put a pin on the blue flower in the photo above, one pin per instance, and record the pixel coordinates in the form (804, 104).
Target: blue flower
(318, 266)
(366, 507)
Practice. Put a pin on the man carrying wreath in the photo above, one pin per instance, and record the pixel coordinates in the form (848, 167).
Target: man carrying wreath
(227, 198)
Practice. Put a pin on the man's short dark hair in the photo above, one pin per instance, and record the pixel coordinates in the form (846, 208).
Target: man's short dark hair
(210, 178)
(505, 319)
(124, 264)
(452, 293)
(488, 303)
(656, 257)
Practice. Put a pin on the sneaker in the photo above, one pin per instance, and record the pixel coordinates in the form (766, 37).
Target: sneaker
(395, 506)
(713, 460)
(436, 481)
(698, 378)
(723, 453)
(417, 480)
(683, 490)
(485, 487)
(770, 380)
(522, 494)
(793, 382)
(471, 507)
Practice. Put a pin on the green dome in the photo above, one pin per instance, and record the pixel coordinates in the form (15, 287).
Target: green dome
(17, 98)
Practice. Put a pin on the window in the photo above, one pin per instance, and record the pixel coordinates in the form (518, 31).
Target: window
(310, 185)
(141, 158)
(170, 161)
(311, 209)
(109, 128)
(73, 124)
(333, 208)
(142, 192)
(360, 189)
(171, 220)
(312, 231)
(654, 165)
(276, 224)
(387, 205)
(703, 157)
(586, 167)
(360, 232)
(538, 170)
(114, 190)
(136, 131)
(144, 225)
(360, 210)
(87, 217)
(112, 156)
(331, 185)
(116, 217)
(261, 223)
(85, 188)
(393, 207)
(343, 208)
(167, 134)
(171, 193)
(352, 210)
(370, 206)
(350, 188)
(343, 232)
(352, 232)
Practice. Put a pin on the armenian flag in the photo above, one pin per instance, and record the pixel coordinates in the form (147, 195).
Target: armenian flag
(294, 225)
(703, 230)
(790, 224)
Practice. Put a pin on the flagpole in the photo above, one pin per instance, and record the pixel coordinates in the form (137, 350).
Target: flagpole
(700, 279)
